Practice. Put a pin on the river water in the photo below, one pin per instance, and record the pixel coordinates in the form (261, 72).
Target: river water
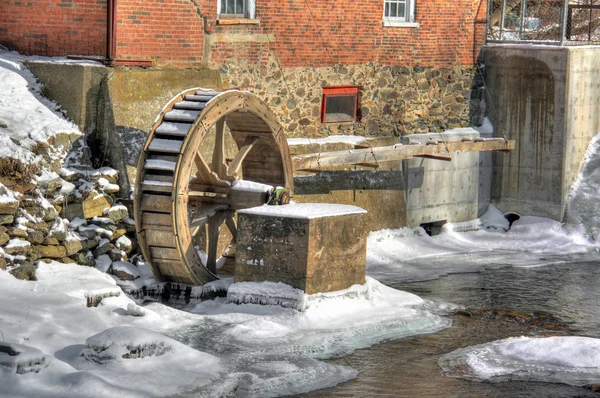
(504, 298)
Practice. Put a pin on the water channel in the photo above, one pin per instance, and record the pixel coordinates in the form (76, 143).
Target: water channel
(508, 295)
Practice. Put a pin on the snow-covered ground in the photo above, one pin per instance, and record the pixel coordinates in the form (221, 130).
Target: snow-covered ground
(27, 119)
(118, 347)
(55, 343)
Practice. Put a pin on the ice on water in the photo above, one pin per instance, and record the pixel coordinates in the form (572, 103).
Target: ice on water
(564, 359)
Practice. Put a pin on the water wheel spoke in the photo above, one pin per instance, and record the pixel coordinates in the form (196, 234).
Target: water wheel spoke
(236, 163)
(218, 161)
(205, 175)
(232, 226)
(214, 222)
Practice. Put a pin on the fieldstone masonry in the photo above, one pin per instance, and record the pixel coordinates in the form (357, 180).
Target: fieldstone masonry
(313, 247)
(393, 100)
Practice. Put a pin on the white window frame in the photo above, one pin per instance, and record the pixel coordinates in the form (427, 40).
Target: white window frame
(249, 12)
(408, 21)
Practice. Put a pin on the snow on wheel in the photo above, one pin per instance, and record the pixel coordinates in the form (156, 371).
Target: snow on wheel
(187, 189)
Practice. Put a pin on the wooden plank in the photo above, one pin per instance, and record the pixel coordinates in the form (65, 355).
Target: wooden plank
(173, 129)
(157, 203)
(181, 115)
(157, 186)
(190, 105)
(164, 253)
(159, 238)
(156, 219)
(149, 176)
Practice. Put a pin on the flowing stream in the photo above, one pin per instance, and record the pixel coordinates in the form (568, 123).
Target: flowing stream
(564, 298)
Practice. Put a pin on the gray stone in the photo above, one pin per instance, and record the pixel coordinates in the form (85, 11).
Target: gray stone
(25, 271)
(103, 249)
(36, 237)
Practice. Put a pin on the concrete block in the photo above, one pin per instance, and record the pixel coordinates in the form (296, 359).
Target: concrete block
(313, 247)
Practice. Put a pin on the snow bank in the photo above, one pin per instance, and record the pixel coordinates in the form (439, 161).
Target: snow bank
(331, 324)
(529, 234)
(26, 116)
(583, 207)
(304, 210)
(570, 360)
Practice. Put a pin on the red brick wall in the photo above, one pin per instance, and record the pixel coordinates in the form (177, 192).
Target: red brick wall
(324, 33)
(171, 32)
(54, 27)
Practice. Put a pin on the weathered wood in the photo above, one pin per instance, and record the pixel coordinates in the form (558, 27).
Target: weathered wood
(218, 160)
(235, 165)
(435, 157)
(159, 238)
(162, 220)
(156, 219)
(157, 203)
(393, 153)
(205, 175)
(164, 253)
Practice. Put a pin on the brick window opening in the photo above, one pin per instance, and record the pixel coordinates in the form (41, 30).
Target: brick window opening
(395, 9)
(339, 104)
(399, 13)
(236, 8)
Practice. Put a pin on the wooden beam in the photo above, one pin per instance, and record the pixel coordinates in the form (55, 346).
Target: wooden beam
(434, 157)
(397, 152)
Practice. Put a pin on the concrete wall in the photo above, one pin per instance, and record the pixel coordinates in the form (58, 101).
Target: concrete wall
(546, 98)
(115, 107)
(447, 191)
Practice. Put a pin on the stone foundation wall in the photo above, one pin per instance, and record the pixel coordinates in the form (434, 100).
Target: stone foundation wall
(393, 100)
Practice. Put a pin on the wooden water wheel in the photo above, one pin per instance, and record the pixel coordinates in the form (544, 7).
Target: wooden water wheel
(180, 193)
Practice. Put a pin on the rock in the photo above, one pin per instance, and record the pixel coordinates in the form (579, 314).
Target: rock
(17, 247)
(104, 247)
(80, 259)
(38, 226)
(51, 241)
(4, 237)
(92, 207)
(123, 243)
(103, 263)
(89, 244)
(18, 233)
(117, 255)
(50, 251)
(117, 213)
(117, 233)
(9, 207)
(6, 219)
(25, 271)
(72, 246)
(125, 270)
(67, 260)
(36, 237)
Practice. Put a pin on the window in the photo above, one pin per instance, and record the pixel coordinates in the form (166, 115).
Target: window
(339, 104)
(236, 8)
(398, 13)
